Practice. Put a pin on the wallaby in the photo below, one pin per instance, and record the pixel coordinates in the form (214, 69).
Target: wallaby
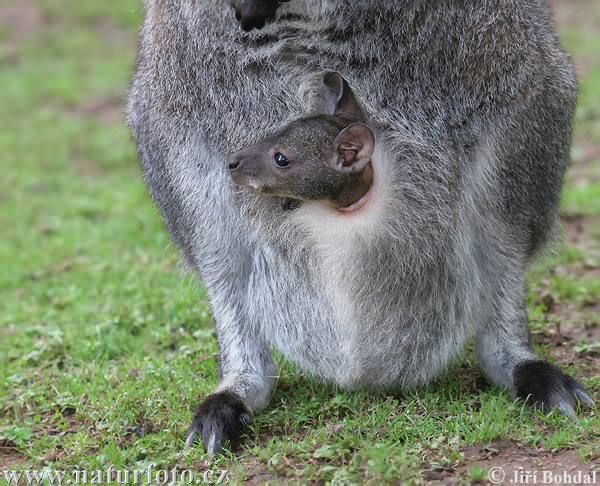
(315, 158)
(472, 104)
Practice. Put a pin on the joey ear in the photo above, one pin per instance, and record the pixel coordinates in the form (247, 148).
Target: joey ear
(328, 93)
(354, 148)
(346, 102)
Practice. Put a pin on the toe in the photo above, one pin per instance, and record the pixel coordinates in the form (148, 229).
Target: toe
(191, 439)
(218, 420)
(545, 386)
(583, 397)
(194, 433)
(213, 444)
(566, 409)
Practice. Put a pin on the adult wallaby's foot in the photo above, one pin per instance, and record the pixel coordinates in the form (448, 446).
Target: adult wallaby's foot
(505, 355)
(543, 385)
(219, 419)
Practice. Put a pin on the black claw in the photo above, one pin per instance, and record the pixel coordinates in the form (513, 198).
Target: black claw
(218, 420)
(544, 386)
(583, 397)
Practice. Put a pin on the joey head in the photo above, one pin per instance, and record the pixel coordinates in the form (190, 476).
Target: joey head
(314, 158)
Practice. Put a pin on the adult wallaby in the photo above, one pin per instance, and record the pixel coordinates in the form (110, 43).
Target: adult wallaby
(472, 104)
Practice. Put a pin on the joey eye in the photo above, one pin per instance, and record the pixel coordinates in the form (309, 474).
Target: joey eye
(281, 160)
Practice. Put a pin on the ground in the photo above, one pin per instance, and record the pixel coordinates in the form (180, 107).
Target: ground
(106, 344)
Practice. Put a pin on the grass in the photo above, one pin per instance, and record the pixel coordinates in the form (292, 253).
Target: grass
(106, 345)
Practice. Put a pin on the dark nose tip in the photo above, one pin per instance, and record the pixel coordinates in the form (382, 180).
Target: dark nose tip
(249, 23)
(253, 14)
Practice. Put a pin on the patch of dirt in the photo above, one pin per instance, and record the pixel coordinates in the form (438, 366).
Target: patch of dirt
(54, 456)
(585, 168)
(578, 325)
(7, 331)
(579, 230)
(68, 423)
(582, 14)
(113, 33)
(58, 269)
(87, 168)
(142, 427)
(575, 336)
(514, 463)
(588, 153)
(568, 351)
(256, 475)
(510, 462)
(20, 18)
(105, 110)
(583, 233)
(10, 458)
(43, 188)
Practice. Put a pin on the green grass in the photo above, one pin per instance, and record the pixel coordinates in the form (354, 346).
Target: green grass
(106, 345)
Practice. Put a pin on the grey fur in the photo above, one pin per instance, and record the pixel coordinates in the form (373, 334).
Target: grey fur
(472, 103)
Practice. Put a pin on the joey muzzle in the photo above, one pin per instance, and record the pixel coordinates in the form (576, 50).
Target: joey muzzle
(245, 167)
(253, 14)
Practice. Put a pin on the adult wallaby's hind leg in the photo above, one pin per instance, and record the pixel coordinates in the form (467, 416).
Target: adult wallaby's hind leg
(247, 378)
(532, 165)
(504, 350)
